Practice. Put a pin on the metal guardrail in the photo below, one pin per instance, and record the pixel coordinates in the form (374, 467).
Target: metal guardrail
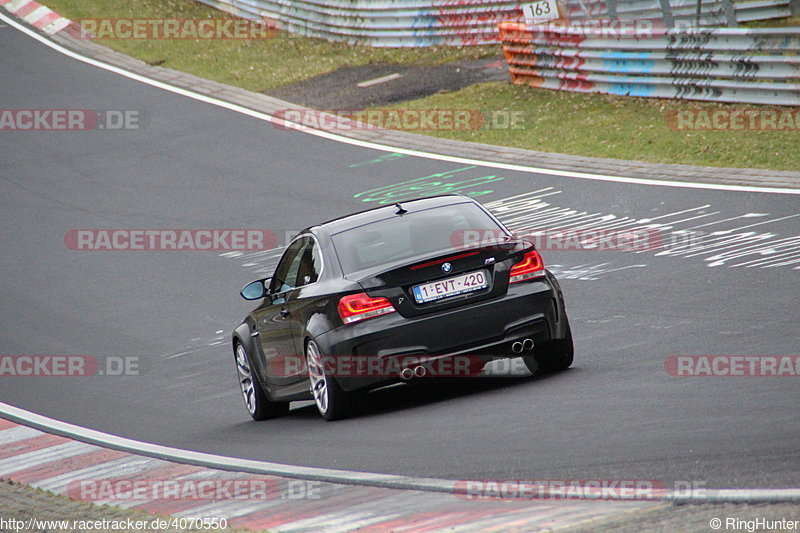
(759, 66)
(417, 23)
(402, 23)
(714, 12)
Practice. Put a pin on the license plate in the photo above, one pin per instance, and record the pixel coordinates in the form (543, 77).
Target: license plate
(444, 288)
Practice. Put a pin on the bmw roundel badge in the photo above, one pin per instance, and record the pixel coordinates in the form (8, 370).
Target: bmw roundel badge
(447, 267)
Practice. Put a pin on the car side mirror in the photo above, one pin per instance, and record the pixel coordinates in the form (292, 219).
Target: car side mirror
(255, 290)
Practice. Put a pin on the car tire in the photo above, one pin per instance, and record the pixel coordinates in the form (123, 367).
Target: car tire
(333, 403)
(532, 363)
(255, 400)
(556, 355)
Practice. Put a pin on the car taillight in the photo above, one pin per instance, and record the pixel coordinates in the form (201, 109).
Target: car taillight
(361, 306)
(530, 267)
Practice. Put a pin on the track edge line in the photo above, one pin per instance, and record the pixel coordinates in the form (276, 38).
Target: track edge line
(239, 108)
(344, 477)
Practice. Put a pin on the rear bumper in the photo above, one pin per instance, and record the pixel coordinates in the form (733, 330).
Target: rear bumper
(487, 329)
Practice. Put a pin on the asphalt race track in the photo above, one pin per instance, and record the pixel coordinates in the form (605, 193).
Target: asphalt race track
(617, 414)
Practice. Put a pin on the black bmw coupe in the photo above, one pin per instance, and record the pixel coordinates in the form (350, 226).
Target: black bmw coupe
(392, 294)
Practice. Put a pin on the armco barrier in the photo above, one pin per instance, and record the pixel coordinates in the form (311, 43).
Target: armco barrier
(405, 23)
(713, 12)
(759, 66)
(417, 23)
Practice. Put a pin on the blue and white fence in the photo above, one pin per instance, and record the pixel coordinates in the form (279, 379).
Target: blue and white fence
(760, 66)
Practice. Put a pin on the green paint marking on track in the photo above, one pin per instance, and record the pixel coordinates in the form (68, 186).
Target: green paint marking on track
(381, 159)
(435, 184)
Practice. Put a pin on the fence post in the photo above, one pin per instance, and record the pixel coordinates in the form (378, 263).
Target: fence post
(611, 9)
(730, 13)
(666, 13)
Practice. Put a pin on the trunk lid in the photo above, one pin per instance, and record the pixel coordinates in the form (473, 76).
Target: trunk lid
(447, 279)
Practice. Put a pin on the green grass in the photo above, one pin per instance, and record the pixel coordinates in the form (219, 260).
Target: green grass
(785, 22)
(613, 126)
(257, 64)
(581, 124)
(23, 502)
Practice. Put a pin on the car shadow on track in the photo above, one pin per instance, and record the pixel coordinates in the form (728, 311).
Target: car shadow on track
(428, 391)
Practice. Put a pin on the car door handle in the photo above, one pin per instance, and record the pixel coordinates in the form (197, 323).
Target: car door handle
(284, 313)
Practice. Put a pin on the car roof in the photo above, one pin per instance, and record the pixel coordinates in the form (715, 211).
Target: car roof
(347, 222)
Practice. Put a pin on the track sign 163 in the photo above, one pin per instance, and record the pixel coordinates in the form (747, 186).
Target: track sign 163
(540, 12)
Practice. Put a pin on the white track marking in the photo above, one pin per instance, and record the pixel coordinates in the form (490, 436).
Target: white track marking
(378, 146)
(332, 475)
(116, 468)
(696, 217)
(297, 472)
(586, 272)
(747, 215)
(15, 5)
(754, 225)
(775, 255)
(224, 509)
(529, 213)
(10, 436)
(724, 246)
(44, 455)
(377, 81)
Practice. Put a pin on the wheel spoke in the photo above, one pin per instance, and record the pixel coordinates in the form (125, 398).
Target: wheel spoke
(316, 375)
(245, 379)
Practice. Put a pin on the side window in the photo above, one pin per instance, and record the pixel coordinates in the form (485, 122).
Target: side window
(310, 264)
(285, 277)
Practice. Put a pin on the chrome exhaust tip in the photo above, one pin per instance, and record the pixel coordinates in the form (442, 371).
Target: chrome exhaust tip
(406, 374)
(420, 371)
(516, 347)
(527, 345)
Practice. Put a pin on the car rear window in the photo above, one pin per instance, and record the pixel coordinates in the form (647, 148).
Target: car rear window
(413, 235)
